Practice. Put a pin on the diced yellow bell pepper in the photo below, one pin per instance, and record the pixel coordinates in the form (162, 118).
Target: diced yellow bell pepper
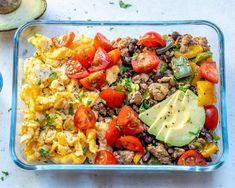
(196, 72)
(137, 157)
(210, 149)
(206, 93)
(192, 52)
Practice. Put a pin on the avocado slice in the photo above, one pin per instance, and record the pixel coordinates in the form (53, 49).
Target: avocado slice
(150, 115)
(27, 11)
(180, 121)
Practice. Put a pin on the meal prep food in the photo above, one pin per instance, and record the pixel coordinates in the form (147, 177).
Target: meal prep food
(128, 101)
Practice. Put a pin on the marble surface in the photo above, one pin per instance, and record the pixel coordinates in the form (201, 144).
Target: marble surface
(220, 12)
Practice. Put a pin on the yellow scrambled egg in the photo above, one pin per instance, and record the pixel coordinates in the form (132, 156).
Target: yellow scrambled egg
(48, 130)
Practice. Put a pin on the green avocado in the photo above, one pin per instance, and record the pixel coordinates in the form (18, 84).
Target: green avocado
(27, 11)
(178, 121)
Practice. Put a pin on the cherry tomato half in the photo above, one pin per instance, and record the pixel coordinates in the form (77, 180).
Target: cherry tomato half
(64, 40)
(132, 143)
(85, 56)
(212, 117)
(94, 81)
(152, 39)
(105, 157)
(115, 56)
(84, 118)
(75, 70)
(101, 41)
(101, 61)
(145, 62)
(209, 71)
(114, 97)
(126, 114)
(113, 133)
(192, 158)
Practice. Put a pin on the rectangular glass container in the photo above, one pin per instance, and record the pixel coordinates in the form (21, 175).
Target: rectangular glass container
(114, 29)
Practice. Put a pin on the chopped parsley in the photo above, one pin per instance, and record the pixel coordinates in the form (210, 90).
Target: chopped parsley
(135, 55)
(144, 106)
(5, 173)
(124, 5)
(118, 126)
(89, 101)
(48, 118)
(195, 134)
(124, 69)
(198, 146)
(163, 68)
(71, 110)
(127, 83)
(84, 149)
(154, 160)
(43, 152)
(53, 75)
(126, 102)
(215, 136)
(39, 82)
(82, 95)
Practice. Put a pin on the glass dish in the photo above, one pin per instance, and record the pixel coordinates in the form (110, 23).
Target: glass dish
(114, 29)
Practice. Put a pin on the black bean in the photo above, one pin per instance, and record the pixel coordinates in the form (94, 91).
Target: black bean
(148, 139)
(126, 60)
(146, 157)
(208, 159)
(131, 49)
(175, 35)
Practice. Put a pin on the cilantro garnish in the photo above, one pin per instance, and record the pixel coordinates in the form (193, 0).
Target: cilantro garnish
(43, 152)
(53, 75)
(71, 110)
(124, 5)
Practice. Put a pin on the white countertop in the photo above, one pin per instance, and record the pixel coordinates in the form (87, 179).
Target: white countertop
(220, 12)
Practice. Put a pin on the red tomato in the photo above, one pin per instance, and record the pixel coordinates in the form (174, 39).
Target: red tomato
(115, 56)
(152, 39)
(101, 61)
(105, 157)
(209, 71)
(113, 97)
(145, 62)
(211, 117)
(192, 158)
(126, 114)
(101, 41)
(75, 70)
(118, 144)
(94, 81)
(132, 143)
(85, 56)
(64, 40)
(84, 118)
(113, 132)
(135, 126)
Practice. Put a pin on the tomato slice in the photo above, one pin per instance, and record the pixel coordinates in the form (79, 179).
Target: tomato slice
(64, 40)
(114, 97)
(94, 81)
(75, 70)
(85, 56)
(145, 62)
(115, 56)
(100, 62)
(192, 158)
(101, 41)
(84, 118)
(152, 39)
(105, 157)
(209, 71)
(126, 114)
(132, 143)
(212, 117)
(113, 133)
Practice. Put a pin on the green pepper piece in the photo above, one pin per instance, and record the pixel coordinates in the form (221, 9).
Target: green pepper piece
(169, 45)
(181, 67)
(154, 161)
(202, 56)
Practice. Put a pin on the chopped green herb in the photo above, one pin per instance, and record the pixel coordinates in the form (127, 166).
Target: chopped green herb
(183, 88)
(144, 106)
(177, 46)
(71, 110)
(154, 161)
(163, 68)
(2, 178)
(9, 109)
(124, 5)
(53, 116)
(43, 152)
(39, 82)
(215, 136)
(127, 83)
(126, 102)
(135, 55)
(53, 75)
(193, 133)
(118, 127)
(5, 173)
(82, 95)
(84, 149)
(198, 146)
(124, 69)
(89, 101)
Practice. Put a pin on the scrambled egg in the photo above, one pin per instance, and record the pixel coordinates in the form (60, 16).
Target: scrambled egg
(48, 130)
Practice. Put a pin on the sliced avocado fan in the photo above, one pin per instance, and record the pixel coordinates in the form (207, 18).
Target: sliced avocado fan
(177, 120)
(27, 11)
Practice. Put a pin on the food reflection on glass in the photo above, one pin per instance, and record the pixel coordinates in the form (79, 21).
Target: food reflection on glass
(130, 101)
(8, 6)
